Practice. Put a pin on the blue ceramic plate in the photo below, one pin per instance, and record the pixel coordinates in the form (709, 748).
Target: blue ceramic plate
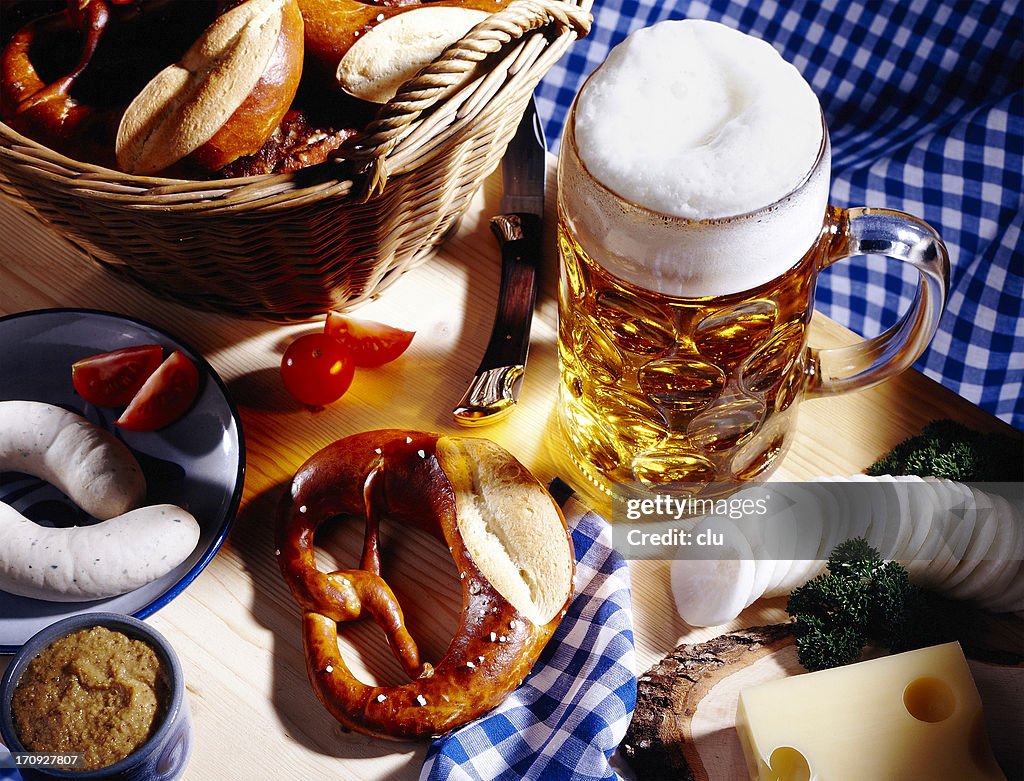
(197, 462)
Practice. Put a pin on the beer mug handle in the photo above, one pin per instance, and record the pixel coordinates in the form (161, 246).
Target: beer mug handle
(865, 231)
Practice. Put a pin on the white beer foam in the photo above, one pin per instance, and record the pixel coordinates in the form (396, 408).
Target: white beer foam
(695, 120)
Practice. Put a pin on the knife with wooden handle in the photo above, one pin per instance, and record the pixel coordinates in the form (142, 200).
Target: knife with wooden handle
(494, 390)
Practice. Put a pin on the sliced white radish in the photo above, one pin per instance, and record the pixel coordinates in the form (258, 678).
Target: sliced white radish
(899, 530)
(920, 566)
(859, 509)
(874, 519)
(806, 522)
(958, 526)
(800, 571)
(780, 547)
(758, 535)
(832, 515)
(1012, 599)
(920, 512)
(1000, 578)
(952, 538)
(771, 547)
(709, 592)
(957, 583)
(879, 520)
(763, 569)
(936, 554)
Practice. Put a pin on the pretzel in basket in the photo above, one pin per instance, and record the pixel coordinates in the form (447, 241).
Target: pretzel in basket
(509, 542)
(66, 77)
(47, 110)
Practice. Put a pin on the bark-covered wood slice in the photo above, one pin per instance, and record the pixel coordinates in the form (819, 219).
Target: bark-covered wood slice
(679, 731)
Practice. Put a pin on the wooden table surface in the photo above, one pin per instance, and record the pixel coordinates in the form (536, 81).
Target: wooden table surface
(236, 627)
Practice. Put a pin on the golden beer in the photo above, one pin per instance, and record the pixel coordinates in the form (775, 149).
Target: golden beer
(658, 388)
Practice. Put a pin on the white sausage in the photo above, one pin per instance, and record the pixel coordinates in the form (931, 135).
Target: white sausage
(80, 563)
(91, 466)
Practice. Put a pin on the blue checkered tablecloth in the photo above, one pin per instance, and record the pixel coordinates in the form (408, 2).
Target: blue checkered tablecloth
(566, 719)
(925, 105)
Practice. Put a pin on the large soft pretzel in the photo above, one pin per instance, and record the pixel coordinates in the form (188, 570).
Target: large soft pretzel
(510, 545)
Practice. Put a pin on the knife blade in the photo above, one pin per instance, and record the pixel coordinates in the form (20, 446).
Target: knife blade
(494, 390)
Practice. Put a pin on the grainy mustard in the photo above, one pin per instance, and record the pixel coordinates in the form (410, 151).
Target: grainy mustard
(96, 692)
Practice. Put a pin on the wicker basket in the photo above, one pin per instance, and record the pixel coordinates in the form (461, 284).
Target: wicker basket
(290, 246)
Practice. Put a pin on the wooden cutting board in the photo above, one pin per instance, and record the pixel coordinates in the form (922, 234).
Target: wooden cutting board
(236, 627)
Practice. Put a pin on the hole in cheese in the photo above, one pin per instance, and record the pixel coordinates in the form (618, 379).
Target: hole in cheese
(929, 699)
(788, 764)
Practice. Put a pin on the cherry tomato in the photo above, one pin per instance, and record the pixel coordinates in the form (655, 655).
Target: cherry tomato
(165, 396)
(316, 369)
(370, 343)
(112, 379)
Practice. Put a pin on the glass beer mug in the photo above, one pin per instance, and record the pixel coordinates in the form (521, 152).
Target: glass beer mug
(682, 341)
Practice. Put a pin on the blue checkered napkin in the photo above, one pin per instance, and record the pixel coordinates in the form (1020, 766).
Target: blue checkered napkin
(569, 715)
(925, 102)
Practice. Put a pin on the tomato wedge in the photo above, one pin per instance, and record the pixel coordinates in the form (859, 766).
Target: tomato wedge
(165, 396)
(112, 379)
(368, 342)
